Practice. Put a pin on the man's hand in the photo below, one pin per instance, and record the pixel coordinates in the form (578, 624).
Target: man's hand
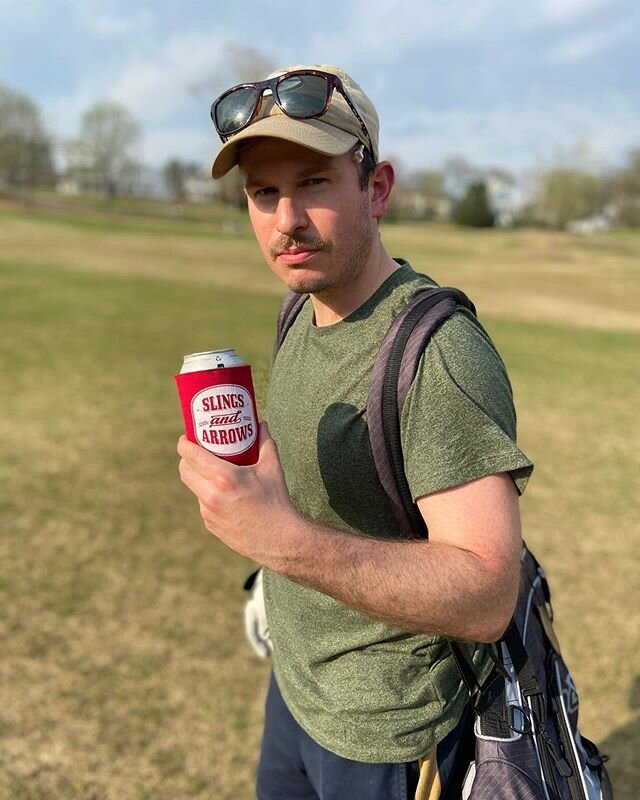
(247, 508)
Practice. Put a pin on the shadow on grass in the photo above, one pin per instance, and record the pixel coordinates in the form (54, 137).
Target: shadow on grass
(622, 746)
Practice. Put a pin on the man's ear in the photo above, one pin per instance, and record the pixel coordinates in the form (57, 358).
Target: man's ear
(380, 186)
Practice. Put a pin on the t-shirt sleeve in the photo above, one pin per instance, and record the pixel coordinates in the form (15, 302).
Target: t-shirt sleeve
(458, 421)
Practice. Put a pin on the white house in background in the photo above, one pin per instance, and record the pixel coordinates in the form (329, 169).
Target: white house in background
(150, 183)
(67, 184)
(603, 221)
(506, 196)
(141, 182)
(200, 188)
(418, 204)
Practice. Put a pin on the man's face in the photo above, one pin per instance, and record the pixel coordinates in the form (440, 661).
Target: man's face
(311, 219)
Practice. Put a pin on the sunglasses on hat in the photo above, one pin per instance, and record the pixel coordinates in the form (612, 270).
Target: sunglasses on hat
(300, 94)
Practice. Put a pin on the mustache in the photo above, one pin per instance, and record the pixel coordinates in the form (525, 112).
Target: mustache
(299, 243)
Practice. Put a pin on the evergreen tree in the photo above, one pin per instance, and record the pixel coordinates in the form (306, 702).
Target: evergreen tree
(474, 209)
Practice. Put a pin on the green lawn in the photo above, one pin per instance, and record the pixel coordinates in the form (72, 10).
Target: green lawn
(124, 672)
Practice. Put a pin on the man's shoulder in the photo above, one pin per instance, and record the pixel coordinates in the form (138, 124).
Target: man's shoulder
(463, 336)
(409, 280)
(460, 332)
(398, 291)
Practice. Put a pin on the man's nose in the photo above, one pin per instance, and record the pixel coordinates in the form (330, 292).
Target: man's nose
(290, 216)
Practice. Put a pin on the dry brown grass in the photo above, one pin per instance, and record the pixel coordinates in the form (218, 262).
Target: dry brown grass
(226, 262)
(590, 282)
(540, 276)
(124, 673)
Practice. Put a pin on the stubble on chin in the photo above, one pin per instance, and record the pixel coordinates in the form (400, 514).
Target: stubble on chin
(301, 285)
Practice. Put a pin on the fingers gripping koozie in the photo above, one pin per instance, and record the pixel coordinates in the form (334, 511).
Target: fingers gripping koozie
(218, 405)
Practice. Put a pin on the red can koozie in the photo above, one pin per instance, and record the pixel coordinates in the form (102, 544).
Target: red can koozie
(219, 406)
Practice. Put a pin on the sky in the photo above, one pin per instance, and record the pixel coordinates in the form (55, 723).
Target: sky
(520, 86)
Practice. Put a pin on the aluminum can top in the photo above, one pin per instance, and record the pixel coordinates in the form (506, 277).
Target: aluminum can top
(211, 359)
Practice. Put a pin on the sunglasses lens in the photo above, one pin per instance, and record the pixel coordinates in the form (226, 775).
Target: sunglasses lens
(303, 96)
(234, 111)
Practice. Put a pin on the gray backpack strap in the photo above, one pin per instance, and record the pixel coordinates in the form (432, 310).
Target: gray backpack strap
(289, 310)
(393, 372)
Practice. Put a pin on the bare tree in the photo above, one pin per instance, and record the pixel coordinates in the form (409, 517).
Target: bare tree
(566, 195)
(625, 189)
(249, 64)
(419, 195)
(102, 157)
(242, 64)
(25, 147)
(176, 173)
(458, 174)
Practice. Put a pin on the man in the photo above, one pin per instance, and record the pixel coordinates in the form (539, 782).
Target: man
(364, 686)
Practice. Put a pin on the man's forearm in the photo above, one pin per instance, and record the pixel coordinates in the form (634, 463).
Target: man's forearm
(417, 586)
(462, 583)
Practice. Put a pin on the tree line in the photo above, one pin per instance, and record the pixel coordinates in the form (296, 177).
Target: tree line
(103, 158)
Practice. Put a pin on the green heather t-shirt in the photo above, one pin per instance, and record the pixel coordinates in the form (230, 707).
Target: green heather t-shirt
(360, 687)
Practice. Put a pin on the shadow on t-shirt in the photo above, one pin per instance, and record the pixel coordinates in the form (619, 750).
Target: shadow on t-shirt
(349, 474)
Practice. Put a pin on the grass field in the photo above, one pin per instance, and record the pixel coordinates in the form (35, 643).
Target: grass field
(124, 673)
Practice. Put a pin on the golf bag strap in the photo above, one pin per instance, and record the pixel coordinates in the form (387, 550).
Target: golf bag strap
(526, 676)
(466, 668)
(289, 310)
(393, 372)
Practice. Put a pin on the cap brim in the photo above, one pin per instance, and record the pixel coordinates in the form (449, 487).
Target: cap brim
(311, 133)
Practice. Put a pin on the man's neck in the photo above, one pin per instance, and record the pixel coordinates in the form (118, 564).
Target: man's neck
(335, 304)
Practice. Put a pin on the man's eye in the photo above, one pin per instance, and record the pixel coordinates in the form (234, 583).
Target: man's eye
(265, 191)
(315, 181)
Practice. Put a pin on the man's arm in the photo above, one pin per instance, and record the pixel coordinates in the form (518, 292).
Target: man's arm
(461, 583)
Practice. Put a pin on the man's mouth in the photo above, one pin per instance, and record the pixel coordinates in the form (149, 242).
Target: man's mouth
(296, 255)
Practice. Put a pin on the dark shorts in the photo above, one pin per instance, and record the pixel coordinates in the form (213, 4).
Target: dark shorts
(294, 767)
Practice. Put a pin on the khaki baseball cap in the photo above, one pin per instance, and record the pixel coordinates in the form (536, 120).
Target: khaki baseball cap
(333, 134)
